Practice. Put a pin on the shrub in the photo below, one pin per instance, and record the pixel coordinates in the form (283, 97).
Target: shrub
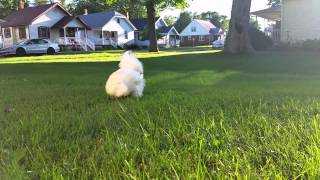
(313, 45)
(259, 40)
(131, 47)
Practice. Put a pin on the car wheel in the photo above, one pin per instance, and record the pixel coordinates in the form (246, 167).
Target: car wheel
(21, 52)
(51, 51)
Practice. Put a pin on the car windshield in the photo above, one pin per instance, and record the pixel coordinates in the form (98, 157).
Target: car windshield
(22, 42)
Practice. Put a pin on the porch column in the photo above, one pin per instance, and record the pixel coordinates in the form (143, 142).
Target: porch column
(102, 37)
(77, 34)
(65, 35)
(86, 37)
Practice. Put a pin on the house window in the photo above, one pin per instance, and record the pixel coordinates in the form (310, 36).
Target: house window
(118, 20)
(193, 29)
(189, 38)
(113, 34)
(44, 32)
(201, 38)
(22, 33)
(7, 33)
(126, 34)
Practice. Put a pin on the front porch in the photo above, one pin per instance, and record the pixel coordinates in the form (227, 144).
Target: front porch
(273, 17)
(72, 32)
(75, 37)
(169, 41)
(106, 38)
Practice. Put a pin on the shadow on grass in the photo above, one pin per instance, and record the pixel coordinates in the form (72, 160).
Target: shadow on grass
(264, 62)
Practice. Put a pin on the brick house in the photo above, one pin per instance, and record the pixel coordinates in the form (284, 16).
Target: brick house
(200, 32)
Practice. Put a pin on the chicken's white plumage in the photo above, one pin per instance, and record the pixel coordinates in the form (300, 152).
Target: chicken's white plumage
(128, 80)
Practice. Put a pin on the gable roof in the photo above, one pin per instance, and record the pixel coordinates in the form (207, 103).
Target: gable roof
(206, 28)
(65, 20)
(98, 20)
(167, 29)
(27, 15)
(141, 23)
(207, 25)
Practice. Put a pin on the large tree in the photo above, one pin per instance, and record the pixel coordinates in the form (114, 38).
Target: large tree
(238, 40)
(151, 6)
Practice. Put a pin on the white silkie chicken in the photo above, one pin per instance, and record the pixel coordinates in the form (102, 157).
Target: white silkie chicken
(128, 80)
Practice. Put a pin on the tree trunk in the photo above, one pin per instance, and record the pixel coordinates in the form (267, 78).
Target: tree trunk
(238, 40)
(153, 46)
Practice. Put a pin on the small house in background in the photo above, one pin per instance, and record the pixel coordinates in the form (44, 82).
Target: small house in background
(1, 38)
(50, 21)
(109, 28)
(168, 36)
(200, 32)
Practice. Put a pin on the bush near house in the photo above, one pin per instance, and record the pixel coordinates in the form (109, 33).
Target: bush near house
(313, 45)
(259, 40)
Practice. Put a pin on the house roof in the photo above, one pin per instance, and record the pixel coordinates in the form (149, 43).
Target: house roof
(65, 20)
(27, 15)
(98, 20)
(272, 13)
(216, 31)
(167, 29)
(141, 23)
(209, 27)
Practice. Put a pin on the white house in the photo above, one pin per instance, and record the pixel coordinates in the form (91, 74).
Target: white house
(109, 28)
(1, 41)
(200, 32)
(169, 35)
(50, 21)
(295, 20)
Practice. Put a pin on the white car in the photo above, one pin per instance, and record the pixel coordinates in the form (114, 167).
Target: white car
(31, 46)
(218, 44)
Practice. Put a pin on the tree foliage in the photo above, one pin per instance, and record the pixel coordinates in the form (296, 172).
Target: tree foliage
(133, 8)
(42, 2)
(170, 20)
(7, 6)
(78, 6)
(184, 19)
(215, 18)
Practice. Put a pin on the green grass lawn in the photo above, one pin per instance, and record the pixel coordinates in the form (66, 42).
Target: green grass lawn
(204, 115)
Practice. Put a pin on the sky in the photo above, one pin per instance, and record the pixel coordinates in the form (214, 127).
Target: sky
(221, 6)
